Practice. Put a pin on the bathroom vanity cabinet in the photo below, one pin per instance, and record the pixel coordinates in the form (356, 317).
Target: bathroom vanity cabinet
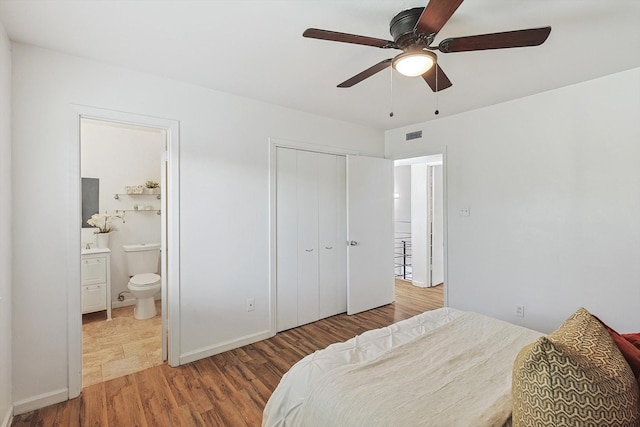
(96, 280)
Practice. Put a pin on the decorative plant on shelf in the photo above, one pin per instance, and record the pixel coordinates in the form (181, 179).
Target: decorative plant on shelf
(152, 187)
(104, 222)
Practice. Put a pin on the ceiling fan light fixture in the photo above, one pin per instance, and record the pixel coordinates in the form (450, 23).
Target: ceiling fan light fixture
(414, 62)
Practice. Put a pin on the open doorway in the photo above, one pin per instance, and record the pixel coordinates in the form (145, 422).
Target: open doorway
(147, 214)
(121, 169)
(419, 255)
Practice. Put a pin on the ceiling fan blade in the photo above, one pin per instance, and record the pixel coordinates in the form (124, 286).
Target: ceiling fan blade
(366, 73)
(435, 15)
(507, 39)
(439, 83)
(335, 36)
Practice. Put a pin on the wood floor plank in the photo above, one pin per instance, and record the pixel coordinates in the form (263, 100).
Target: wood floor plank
(94, 406)
(124, 401)
(158, 402)
(191, 417)
(229, 389)
(49, 414)
(69, 414)
(188, 389)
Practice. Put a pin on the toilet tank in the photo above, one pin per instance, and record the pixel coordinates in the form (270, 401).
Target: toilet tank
(142, 258)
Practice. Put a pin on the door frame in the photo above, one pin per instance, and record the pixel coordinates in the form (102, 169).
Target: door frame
(433, 189)
(170, 235)
(274, 144)
(445, 223)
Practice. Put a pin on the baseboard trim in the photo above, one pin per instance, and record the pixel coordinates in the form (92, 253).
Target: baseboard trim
(126, 302)
(8, 417)
(40, 401)
(418, 284)
(192, 356)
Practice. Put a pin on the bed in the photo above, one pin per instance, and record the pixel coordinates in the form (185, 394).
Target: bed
(444, 367)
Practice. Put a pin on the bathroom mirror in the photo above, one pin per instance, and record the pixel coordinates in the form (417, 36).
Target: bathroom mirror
(90, 198)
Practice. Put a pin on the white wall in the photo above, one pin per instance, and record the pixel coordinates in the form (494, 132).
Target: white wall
(552, 181)
(5, 229)
(402, 187)
(224, 197)
(122, 155)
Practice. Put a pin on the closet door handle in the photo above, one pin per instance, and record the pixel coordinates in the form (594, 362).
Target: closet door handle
(353, 243)
(328, 247)
(309, 250)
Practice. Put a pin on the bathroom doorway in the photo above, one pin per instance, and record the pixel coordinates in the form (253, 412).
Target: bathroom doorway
(131, 161)
(123, 162)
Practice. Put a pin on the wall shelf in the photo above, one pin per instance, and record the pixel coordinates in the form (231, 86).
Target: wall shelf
(117, 195)
(157, 211)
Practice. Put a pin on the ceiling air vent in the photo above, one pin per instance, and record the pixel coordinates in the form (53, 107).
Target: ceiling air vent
(414, 135)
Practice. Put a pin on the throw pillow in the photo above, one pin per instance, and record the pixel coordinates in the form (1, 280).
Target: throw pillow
(630, 352)
(574, 377)
(633, 339)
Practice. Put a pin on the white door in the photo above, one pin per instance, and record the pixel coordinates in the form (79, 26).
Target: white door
(437, 241)
(287, 239)
(332, 234)
(370, 233)
(420, 223)
(307, 206)
(310, 237)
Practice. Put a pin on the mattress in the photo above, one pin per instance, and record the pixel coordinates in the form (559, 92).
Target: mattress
(440, 368)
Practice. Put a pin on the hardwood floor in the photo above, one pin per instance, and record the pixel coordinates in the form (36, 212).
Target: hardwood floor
(229, 389)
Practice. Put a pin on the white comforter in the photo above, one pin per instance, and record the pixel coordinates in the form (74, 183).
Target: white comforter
(440, 368)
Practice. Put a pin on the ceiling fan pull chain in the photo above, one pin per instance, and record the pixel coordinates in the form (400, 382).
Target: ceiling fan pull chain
(391, 91)
(437, 88)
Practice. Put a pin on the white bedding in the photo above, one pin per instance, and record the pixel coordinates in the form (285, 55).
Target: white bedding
(440, 368)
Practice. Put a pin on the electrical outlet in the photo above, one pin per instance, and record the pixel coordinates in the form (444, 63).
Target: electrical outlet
(465, 212)
(251, 304)
(519, 310)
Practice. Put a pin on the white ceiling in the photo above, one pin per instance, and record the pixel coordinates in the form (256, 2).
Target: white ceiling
(255, 48)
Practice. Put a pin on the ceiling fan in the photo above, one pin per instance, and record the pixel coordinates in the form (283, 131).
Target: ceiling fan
(414, 30)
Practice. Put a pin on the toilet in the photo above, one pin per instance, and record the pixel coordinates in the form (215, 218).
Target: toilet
(142, 266)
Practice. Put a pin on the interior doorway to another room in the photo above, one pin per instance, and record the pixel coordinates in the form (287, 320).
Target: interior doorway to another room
(121, 166)
(419, 220)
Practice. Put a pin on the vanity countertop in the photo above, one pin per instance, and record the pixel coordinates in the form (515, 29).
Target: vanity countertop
(96, 251)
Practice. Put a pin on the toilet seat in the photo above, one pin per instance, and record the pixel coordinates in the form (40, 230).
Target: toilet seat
(145, 280)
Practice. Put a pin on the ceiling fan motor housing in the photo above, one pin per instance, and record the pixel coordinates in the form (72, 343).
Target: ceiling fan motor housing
(402, 28)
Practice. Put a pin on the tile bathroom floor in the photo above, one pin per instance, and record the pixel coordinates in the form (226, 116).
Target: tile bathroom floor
(115, 348)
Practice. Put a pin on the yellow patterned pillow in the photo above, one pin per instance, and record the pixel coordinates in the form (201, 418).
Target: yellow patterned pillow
(574, 377)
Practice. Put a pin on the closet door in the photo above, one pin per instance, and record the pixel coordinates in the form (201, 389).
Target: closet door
(287, 239)
(310, 238)
(307, 201)
(332, 264)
